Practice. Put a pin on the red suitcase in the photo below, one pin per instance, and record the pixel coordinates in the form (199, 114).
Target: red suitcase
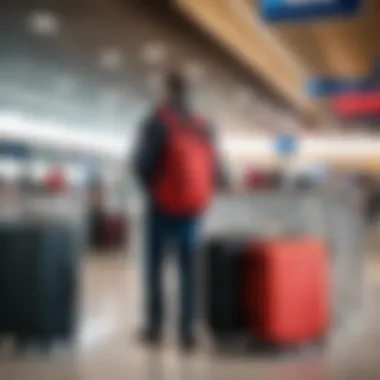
(286, 291)
(257, 180)
(113, 231)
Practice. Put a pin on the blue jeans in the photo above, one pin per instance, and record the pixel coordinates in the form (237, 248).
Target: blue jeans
(183, 233)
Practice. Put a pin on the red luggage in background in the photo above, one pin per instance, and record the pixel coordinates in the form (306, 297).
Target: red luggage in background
(257, 180)
(286, 291)
(55, 181)
(113, 231)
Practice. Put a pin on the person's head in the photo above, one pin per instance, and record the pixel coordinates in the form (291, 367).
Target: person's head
(177, 86)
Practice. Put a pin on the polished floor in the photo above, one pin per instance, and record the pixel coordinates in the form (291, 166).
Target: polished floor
(107, 348)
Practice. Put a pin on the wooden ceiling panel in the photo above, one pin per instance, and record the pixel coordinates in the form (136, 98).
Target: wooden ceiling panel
(341, 47)
(252, 44)
(287, 55)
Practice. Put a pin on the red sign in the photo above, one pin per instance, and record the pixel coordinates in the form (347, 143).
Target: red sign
(356, 105)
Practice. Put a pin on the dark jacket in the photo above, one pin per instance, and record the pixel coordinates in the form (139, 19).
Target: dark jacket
(150, 148)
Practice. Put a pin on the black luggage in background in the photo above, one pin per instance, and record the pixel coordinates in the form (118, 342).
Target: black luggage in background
(95, 227)
(8, 239)
(108, 231)
(304, 183)
(223, 284)
(38, 286)
(276, 180)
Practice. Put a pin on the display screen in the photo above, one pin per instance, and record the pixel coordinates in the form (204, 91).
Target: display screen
(306, 10)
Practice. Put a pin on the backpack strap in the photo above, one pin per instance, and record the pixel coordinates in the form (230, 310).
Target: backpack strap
(171, 119)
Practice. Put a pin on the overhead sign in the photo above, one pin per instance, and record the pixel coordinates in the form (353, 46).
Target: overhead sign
(306, 10)
(286, 145)
(336, 86)
(326, 87)
(357, 104)
(15, 150)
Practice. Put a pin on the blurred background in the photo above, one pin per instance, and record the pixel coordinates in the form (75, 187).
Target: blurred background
(293, 90)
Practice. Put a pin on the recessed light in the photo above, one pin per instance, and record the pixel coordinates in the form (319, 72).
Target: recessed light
(111, 59)
(194, 71)
(44, 23)
(154, 53)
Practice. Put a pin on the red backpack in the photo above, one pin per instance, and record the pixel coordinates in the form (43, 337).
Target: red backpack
(185, 185)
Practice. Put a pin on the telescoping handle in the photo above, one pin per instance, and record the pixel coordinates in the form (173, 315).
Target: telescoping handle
(286, 147)
(289, 212)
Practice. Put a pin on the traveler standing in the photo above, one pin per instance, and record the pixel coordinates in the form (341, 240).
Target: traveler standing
(177, 165)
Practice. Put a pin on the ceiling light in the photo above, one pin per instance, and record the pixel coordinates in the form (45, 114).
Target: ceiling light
(40, 133)
(154, 53)
(194, 71)
(44, 23)
(111, 59)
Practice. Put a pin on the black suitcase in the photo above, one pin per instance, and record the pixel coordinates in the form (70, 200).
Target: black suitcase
(224, 258)
(8, 238)
(40, 284)
(95, 227)
(304, 183)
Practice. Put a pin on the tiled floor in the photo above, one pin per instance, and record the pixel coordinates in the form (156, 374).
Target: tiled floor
(107, 348)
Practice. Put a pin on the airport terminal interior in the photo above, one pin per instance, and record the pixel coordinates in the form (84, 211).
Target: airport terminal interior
(291, 91)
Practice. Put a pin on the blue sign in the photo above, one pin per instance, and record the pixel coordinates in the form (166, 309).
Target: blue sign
(10, 149)
(326, 87)
(306, 10)
(286, 145)
(330, 86)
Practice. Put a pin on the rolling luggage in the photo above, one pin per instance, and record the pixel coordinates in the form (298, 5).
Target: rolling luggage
(95, 227)
(223, 286)
(39, 284)
(113, 231)
(107, 231)
(8, 238)
(276, 180)
(304, 183)
(286, 291)
(257, 180)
